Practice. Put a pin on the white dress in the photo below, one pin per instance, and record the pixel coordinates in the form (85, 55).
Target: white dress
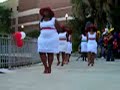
(48, 41)
(62, 42)
(69, 45)
(92, 44)
(84, 43)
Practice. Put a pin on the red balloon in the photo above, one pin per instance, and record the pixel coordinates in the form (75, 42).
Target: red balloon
(20, 43)
(17, 36)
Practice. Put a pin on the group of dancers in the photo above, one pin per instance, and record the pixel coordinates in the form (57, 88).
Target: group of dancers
(53, 39)
(65, 46)
(91, 41)
(89, 44)
(56, 39)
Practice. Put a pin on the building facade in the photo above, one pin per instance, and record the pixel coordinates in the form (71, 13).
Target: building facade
(26, 12)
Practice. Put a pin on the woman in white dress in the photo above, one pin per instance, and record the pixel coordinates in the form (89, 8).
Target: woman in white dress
(48, 39)
(69, 45)
(92, 44)
(62, 47)
(84, 45)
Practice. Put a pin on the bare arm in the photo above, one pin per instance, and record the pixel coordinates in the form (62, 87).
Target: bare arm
(71, 39)
(80, 37)
(67, 36)
(40, 27)
(57, 26)
(87, 37)
(110, 37)
(97, 37)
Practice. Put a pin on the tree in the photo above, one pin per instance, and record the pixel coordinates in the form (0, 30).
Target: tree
(97, 10)
(5, 19)
(33, 34)
(115, 16)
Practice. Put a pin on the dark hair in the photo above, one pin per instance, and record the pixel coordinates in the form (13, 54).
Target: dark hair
(44, 17)
(93, 29)
(84, 32)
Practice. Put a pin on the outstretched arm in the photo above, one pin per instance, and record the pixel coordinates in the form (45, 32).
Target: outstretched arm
(57, 26)
(40, 27)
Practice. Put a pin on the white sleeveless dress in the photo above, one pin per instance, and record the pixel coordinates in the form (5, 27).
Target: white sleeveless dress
(62, 42)
(48, 40)
(92, 44)
(84, 43)
(69, 45)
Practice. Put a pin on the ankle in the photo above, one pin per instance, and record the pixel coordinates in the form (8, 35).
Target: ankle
(49, 69)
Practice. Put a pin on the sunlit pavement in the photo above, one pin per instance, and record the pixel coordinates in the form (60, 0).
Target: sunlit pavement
(75, 76)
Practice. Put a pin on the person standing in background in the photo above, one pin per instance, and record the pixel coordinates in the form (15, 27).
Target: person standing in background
(115, 48)
(110, 55)
(118, 44)
(99, 48)
(69, 45)
(84, 46)
(48, 39)
(105, 44)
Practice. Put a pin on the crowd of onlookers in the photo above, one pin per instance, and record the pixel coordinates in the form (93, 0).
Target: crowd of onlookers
(109, 45)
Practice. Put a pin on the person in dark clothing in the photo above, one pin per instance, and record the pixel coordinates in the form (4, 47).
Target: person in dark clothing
(104, 45)
(110, 55)
(118, 45)
(115, 48)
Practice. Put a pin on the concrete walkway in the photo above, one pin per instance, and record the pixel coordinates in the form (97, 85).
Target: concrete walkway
(75, 76)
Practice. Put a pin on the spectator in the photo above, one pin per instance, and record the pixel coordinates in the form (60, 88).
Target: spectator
(110, 55)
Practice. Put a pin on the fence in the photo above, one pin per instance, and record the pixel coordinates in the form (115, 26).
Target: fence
(13, 56)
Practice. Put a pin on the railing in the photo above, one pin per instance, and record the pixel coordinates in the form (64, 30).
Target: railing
(12, 56)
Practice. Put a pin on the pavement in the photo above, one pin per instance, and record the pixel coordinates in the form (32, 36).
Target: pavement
(74, 76)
